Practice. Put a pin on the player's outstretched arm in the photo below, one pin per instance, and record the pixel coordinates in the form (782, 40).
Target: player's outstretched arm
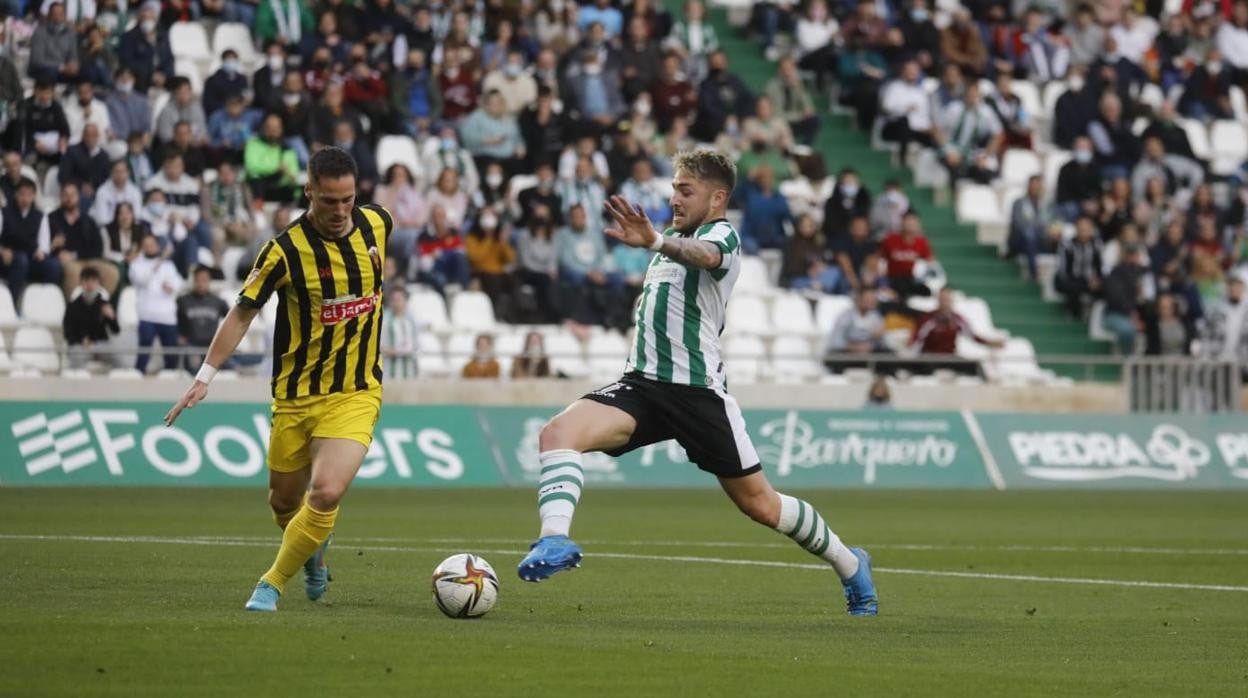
(232, 330)
(633, 228)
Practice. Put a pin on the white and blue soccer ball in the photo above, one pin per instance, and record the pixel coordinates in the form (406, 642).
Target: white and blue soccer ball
(465, 586)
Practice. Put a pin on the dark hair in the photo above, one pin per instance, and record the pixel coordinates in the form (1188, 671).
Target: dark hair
(89, 272)
(27, 182)
(201, 269)
(333, 162)
(708, 166)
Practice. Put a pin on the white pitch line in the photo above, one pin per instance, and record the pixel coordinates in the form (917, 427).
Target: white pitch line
(256, 543)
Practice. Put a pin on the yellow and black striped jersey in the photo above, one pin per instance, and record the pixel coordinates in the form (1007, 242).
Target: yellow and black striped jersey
(329, 304)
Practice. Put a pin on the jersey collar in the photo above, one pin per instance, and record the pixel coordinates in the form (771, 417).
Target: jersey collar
(358, 221)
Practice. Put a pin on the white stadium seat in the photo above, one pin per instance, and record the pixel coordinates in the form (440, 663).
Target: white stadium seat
(508, 345)
(460, 347)
(237, 36)
(1198, 136)
(8, 313)
(472, 310)
(792, 360)
(743, 358)
(1230, 142)
(193, 71)
(6, 363)
(975, 312)
(978, 205)
(428, 308)
(791, 314)
(430, 359)
(399, 149)
(753, 279)
(34, 348)
(124, 373)
(829, 310)
(128, 307)
(230, 257)
(567, 356)
(1239, 103)
(607, 353)
(747, 315)
(1053, 92)
(1017, 166)
(1053, 164)
(190, 40)
(1029, 96)
(44, 304)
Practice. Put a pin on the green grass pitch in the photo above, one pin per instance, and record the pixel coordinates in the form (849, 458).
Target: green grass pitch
(111, 592)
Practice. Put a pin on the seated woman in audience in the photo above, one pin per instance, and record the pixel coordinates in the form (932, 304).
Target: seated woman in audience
(532, 362)
(483, 363)
(491, 259)
(407, 205)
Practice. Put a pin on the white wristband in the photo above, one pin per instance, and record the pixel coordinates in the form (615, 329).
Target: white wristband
(206, 374)
(657, 245)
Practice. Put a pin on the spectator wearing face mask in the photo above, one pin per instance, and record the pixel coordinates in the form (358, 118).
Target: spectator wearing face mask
(407, 206)
(445, 152)
(532, 362)
(227, 82)
(128, 111)
(1078, 180)
(543, 194)
(483, 363)
(90, 323)
(491, 259)
(156, 282)
(517, 88)
(889, 207)
(848, 201)
(146, 51)
(1207, 91)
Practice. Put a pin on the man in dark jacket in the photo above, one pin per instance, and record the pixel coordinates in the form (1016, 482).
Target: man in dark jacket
(200, 311)
(1079, 180)
(225, 83)
(722, 95)
(1122, 294)
(90, 321)
(146, 51)
(26, 252)
(76, 240)
(85, 163)
(848, 201)
(40, 131)
(1078, 274)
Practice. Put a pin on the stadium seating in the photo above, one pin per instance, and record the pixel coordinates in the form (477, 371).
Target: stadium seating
(401, 150)
(8, 313)
(748, 315)
(567, 356)
(1017, 166)
(190, 40)
(233, 35)
(753, 279)
(743, 358)
(791, 360)
(44, 304)
(429, 309)
(791, 314)
(34, 348)
(1231, 141)
(472, 310)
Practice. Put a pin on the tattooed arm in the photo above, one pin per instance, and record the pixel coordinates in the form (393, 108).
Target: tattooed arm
(633, 228)
(692, 252)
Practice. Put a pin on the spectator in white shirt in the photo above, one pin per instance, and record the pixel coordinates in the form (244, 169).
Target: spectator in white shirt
(907, 110)
(816, 40)
(156, 283)
(1134, 35)
(117, 189)
(971, 137)
(1232, 37)
(182, 196)
(642, 188)
(83, 109)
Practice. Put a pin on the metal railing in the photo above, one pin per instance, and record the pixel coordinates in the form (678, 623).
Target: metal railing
(1164, 384)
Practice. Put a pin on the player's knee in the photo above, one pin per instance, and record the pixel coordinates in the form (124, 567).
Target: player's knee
(284, 502)
(556, 434)
(325, 497)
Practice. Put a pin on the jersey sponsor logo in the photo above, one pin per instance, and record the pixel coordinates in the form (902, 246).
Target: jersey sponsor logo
(251, 278)
(325, 272)
(345, 308)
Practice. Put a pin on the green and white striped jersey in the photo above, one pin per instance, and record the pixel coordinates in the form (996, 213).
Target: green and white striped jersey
(681, 314)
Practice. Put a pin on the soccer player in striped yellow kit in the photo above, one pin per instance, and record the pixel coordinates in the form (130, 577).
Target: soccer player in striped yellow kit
(674, 386)
(326, 269)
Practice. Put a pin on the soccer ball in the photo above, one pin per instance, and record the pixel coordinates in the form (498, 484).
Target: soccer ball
(465, 586)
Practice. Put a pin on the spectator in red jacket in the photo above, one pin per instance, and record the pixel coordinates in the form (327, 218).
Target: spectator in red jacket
(902, 250)
(938, 334)
(442, 261)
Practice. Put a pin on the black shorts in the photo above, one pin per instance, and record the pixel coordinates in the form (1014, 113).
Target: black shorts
(707, 423)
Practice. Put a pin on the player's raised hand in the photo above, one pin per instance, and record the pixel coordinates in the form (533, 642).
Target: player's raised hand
(193, 395)
(632, 226)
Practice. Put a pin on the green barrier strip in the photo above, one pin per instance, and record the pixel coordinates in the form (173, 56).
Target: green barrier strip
(59, 443)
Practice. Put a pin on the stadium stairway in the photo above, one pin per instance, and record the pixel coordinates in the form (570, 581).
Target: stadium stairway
(973, 268)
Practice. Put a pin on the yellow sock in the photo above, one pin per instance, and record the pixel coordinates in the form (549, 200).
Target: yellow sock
(283, 518)
(304, 534)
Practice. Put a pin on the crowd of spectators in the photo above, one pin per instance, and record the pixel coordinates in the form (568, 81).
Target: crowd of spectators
(527, 115)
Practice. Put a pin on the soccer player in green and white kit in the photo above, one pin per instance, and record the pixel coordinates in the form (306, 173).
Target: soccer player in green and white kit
(673, 385)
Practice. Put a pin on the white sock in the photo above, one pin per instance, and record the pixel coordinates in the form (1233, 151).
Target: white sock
(800, 521)
(559, 490)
